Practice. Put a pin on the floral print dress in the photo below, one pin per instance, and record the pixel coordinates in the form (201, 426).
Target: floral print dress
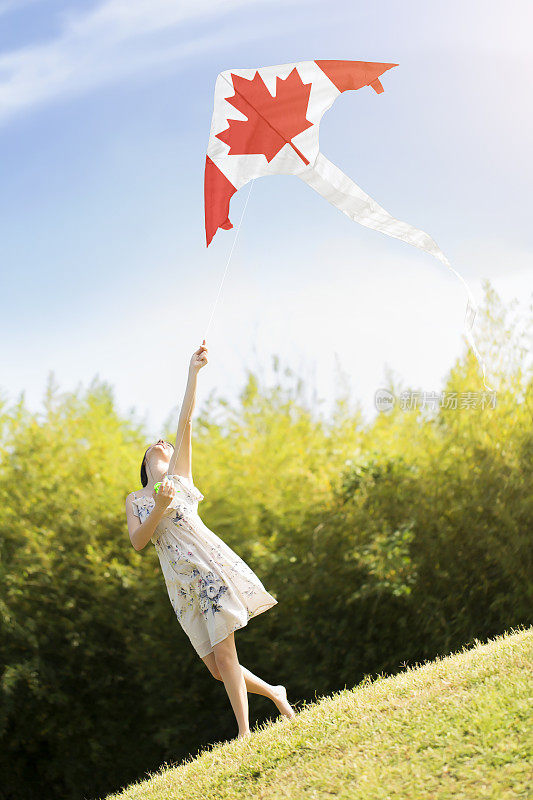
(212, 590)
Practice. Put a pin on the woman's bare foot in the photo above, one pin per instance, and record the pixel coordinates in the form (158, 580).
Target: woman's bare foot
(283, 705)
(244, 735)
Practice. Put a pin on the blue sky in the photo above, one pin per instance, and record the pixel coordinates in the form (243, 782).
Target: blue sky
(105, 109)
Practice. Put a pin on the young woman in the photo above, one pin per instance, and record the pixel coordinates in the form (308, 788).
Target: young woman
(212, 590)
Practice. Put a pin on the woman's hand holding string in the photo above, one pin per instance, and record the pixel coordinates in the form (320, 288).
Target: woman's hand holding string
(199, 358)
(164, 496)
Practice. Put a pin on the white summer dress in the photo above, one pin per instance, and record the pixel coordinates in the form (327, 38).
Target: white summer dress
(212, 590)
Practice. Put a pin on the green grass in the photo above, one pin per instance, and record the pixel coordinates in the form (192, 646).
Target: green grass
(457, 727)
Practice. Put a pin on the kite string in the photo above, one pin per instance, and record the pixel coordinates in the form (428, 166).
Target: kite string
(218, 294)
(229, 259)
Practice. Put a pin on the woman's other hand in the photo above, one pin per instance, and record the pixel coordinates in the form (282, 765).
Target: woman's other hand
(165, 495)
(199, 358)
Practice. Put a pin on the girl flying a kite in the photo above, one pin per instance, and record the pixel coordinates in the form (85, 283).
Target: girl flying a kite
(212, 590)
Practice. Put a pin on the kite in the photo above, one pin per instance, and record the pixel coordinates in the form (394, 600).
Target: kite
(266, 121)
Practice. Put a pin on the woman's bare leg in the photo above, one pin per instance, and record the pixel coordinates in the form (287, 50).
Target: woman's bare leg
(278, 694)
(232, 675)
(255, 685)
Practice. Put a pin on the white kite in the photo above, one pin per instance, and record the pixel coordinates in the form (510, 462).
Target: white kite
(266, 122)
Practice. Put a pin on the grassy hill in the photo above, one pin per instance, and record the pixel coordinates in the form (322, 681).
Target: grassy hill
(457, 727)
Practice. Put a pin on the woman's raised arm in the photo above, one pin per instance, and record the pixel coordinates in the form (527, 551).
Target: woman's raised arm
(181, 460)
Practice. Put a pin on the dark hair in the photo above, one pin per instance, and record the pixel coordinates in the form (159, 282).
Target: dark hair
(144, 476)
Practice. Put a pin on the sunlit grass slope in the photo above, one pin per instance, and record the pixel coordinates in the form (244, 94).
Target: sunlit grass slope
(457, 727)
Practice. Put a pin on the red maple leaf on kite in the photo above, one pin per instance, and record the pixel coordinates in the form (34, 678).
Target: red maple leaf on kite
(271, 121)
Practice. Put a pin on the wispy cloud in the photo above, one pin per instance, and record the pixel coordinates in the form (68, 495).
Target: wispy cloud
(114, 39)
(14, 5)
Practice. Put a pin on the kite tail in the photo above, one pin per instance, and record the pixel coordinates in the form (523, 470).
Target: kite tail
(470, 315)
(338, 189)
